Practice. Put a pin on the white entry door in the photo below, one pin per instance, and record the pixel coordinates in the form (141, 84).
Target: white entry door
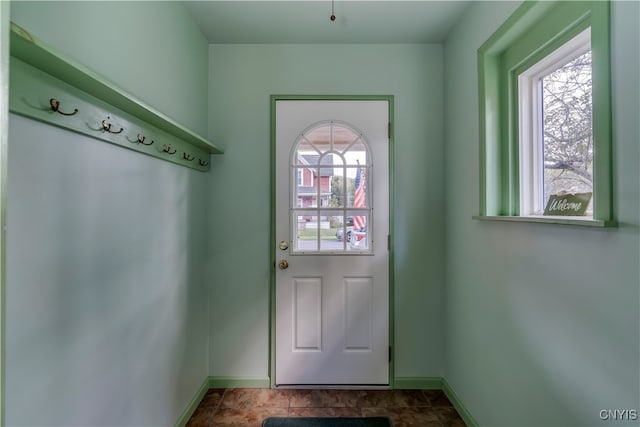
(331, 238)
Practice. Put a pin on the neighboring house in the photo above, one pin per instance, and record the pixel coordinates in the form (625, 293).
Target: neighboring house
(312, 178)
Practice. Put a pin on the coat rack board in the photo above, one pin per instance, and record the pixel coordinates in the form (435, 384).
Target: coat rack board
(46, 86)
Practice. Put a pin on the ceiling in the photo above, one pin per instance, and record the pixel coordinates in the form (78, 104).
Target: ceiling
(307, 21)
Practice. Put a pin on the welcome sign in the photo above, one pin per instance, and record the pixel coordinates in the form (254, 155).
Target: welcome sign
(568, 204)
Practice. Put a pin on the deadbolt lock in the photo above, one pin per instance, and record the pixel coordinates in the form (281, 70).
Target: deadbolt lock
(283, 245)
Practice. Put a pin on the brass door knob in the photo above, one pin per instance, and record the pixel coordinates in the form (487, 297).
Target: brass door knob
(284, 264)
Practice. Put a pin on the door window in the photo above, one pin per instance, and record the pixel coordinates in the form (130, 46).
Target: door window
(331, 194)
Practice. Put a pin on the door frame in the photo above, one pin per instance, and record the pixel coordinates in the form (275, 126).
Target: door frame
(272, 219)
(4, 144)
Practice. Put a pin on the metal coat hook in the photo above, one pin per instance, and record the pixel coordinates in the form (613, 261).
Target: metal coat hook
(188, 156)
(167, 149)
(142, 138)
(203, 163)
(106, 126)
(55, 106)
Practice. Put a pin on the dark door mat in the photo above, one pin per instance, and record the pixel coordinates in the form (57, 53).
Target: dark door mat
(327, 422)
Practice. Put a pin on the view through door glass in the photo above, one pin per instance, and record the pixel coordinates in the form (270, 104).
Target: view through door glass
(331, 197)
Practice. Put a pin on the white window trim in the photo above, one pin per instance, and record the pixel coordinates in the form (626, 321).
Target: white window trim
(530, 122)
(300, 177)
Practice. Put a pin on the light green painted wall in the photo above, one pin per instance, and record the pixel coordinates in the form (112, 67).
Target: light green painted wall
(106, 319)
(242, 79)
(151, 49)
(542, 321)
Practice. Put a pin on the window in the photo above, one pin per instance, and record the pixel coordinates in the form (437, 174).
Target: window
(331, 215)
(555, 126)
(545, 115)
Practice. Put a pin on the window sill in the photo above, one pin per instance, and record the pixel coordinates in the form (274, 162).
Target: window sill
(564, 220)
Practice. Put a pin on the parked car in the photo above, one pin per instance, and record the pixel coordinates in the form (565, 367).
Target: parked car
(340, 231)
(355, 238)
(340, 234)
(358, 238)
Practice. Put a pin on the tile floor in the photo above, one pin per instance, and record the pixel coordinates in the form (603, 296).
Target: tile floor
(248, 407)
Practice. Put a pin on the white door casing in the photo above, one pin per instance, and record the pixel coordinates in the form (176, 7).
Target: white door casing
(332, 299)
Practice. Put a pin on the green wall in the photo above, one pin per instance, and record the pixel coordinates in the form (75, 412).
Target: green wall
(242, 77)
(111, 318)
(106, 314)
(151, 49)
(542, 321)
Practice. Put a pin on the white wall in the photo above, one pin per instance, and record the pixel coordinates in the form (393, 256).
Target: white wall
(106, 314)
(242, 79)
(542, 321)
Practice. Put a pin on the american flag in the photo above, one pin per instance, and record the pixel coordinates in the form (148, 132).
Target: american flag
(359, 221)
